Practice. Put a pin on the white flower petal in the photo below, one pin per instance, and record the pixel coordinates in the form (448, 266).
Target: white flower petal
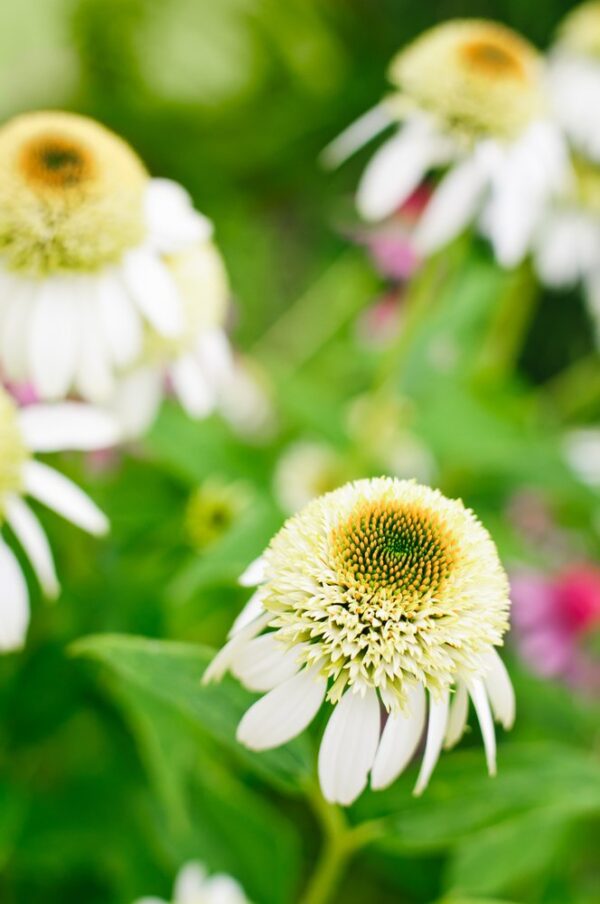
(224, 658)
(457, 717)
(221, 889)
(67, 425)
(359, 133)
(254, 573)
(284, 712)
(14, 608)
(154, 291)
(191, 386)
(265, 662)
(190, 883)
(137, 400)
(16, 324)
(398, 168)
(64, 497)
(453, 205)
(349, 746)
(251, 610)
(172, 222)
(436, 728)
(486, 723)
(119, 318)
(94, 378)
(500, 690)
(399, 740)
(32, 538)
(54, 337)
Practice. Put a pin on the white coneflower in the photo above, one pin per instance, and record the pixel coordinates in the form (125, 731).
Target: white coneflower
(470, 99)
(376, 597)
(194, 886)
(41, 428)
(574, 78)
(91, 254)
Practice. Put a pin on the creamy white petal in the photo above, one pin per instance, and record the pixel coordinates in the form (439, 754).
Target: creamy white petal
(32, 538)
(457, 716)
(284, 712)
(14, 601)
(224, 658)
(254, 573)
(94, 379)
(137, 400)
(453, 206)
(359, 133)
(251, 610)
(154, 291)
(399, 740)
(191, 386)
(397, 169)
(436, 728)
(64, 497)
(119, 319)
(265, 662)
(486, 723)
(67, 425)
(172, 222)
(500, 690)
(54, 335)
(349, 746)
(221, 889)
(16, 330)
(190, 884)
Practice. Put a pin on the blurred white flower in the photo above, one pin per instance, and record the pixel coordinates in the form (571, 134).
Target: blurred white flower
(106, 275)
(41, 428)
(194, 886)
(582, 451)
(305, 470)
(470, 99)
(374, 597)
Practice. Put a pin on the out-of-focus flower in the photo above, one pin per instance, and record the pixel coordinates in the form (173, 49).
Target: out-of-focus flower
(306, 470)
(212, 510)
(391, 243)
(582, 451)
(552, 619)
(103, 270)
(471, 100)
(574, 77)
(374, 596)
(41, 428)
(193, 885)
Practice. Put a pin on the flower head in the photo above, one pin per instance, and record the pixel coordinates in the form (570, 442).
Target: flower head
(41, 428)
(579, 31)
(212, 510)
(477, 77)
(372, 595)
(194, 886)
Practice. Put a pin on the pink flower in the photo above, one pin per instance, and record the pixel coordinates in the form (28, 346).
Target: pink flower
(553, 618)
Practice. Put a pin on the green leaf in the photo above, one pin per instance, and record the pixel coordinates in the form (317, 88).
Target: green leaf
(172, 672)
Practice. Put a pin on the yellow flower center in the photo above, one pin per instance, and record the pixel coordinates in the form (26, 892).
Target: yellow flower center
(12, 451)
(478, 77)
(71, 194)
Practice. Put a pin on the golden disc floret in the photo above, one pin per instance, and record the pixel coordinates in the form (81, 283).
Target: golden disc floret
(71, 194)
(479, 78)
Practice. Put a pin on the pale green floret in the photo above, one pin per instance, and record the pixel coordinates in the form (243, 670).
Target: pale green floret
(387, 583)
(71, 195)
(477, 78)
(579, 31)
(13, 453)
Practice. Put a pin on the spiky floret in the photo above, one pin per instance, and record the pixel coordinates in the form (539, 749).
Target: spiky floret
(71, 194)
(579, 31)
(386, 583)
(478, 77)
(12, 449)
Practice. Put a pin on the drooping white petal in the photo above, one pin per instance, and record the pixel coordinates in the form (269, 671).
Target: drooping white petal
(119, 319)
(436, 728)
(137, 399)
(14, 601)
(457, 716)
(254, 573)
(486, 723)
(359, 133)
(349, 746)
(94, 378)
(214, 353)
(53, 345)
(191, 386)
(67, 425)
(154, 291)
(265, 662)
(16, 323)
(251, 610)
(284, 712)
(64, 497)
(453, 206)
(399, 740)
(222, 889)
(500, 690)
(32, 538)
(172, 222)
(397, 169)
(190, 883)
(224, 658)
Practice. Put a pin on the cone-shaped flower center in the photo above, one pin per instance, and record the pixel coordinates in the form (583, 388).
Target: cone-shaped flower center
(71, 194)
(579, 32)
(12, 450)
(478, 77)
